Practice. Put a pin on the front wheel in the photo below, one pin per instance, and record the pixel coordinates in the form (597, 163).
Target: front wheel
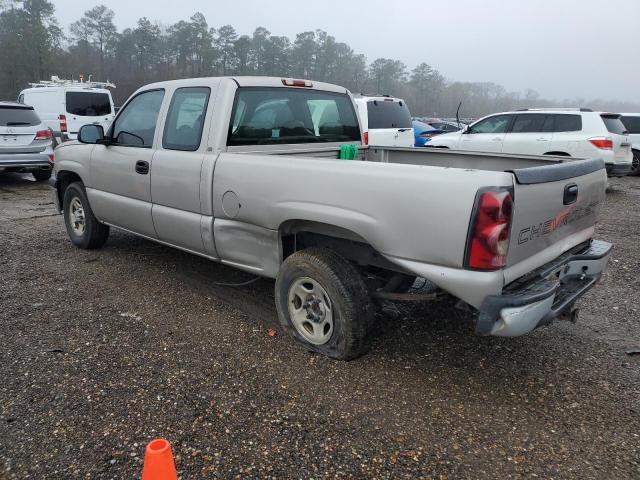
(635, 163)
(323, 303)
(84, 229)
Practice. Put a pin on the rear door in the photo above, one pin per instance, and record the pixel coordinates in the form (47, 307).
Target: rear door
(530, 134)
(555, 204)
(486, 135)
(389, 123)
(120, 187)
(176, 174)
(87, 106)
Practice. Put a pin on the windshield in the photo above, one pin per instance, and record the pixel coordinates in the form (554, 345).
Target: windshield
(265, 116)
(88, 104)
(388, 114)
(18, 117)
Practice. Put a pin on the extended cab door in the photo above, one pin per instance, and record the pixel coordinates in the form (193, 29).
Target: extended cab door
(176, 176)
(486, 135)
(530, 134)
(120, 192)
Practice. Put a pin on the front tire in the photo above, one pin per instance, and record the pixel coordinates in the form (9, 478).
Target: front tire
(42, 174)
(323, 303)
(84, 229)
(635, 163)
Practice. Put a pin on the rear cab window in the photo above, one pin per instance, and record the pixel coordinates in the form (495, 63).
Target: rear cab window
(18, 117)
(614, 124)
(274, 115)
(88, 104)
(388, 113)
(631, 123)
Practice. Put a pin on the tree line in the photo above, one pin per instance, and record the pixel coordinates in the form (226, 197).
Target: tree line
(33, 47)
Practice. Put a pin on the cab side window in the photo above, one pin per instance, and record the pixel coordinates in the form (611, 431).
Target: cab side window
(497, 124)
(136, 124)
(185, 119)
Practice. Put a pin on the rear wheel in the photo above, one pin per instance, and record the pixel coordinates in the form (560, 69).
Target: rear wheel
(635, 163)
(42, 174)
(323, 303)
(84, 230)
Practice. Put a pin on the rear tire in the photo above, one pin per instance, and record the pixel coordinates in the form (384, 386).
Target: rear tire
(84, 229)
(323, 303)
(41, 175)
(635, 163)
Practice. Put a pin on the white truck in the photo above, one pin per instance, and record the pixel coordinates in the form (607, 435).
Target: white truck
(239, 170)
(66, 105)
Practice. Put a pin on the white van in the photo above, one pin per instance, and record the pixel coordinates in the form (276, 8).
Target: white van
(65, 106)
(385, 120)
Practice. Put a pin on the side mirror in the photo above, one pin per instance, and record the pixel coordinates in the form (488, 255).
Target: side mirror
(91, 134)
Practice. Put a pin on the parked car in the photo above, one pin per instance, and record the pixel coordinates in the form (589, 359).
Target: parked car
(267, 192)
(579, 133)
(446, 126)
(386, 121)
(65, 106)
(26, 144)
(631, 122)
(423, 132)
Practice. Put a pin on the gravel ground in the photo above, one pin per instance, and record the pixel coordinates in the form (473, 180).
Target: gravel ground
(102, 351)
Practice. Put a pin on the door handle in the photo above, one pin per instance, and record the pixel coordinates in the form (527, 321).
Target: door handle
(142, 167)
(497, 139)
(542, 139)
(570, 194)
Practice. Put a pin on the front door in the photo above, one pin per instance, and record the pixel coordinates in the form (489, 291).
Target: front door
(486, 135)
(120, 187)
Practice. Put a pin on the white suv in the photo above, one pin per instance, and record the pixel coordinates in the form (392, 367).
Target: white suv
(632, 123)
(385, 120)
(580, 133)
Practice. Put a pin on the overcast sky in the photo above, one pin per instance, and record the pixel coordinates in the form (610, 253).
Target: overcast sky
(561, 48)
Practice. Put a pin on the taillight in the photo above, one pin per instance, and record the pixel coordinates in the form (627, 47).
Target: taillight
(366, 138)
(488, 242)
(427, 134)
(296, 83)
(44, 134)
(52, 158)
(63, 122)
(601, 142)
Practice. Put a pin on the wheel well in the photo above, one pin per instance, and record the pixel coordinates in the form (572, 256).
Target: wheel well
(300, 234)
(63, 180)
(558, 154)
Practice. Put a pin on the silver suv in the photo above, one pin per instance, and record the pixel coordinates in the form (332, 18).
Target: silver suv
(26, 144)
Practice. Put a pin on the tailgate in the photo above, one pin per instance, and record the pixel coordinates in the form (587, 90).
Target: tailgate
(553, 203)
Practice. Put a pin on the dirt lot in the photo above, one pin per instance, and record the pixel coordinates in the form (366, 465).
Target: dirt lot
(102, 351)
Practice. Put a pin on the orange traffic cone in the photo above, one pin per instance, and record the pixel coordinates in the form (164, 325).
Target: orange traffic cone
(158, 461)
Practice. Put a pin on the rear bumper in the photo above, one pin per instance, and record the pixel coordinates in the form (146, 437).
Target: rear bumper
(543, 295)
(618, 169)
(25, 162)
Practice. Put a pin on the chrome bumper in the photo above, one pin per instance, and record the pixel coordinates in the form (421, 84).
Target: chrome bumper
(543, 295)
